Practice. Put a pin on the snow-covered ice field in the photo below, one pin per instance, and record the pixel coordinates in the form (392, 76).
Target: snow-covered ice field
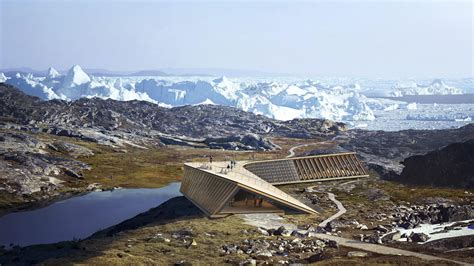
(437, 231)
(358, 102)
(425, 116)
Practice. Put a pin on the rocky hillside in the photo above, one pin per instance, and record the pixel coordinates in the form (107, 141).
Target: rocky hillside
(43, 143)
(29, 165)
(383, 151)
(129, 119)
(452, 166)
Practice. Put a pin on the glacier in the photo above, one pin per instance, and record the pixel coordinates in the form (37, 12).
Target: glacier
(436, 87)
(283, 98)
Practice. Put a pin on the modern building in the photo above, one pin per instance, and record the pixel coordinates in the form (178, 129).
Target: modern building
(249, 187)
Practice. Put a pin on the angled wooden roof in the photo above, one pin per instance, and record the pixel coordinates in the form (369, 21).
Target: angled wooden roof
(211, 187)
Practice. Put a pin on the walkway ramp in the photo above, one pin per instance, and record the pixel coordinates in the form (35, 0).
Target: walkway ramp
(309, 169)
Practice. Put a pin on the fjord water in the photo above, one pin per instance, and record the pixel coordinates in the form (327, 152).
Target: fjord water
(81, 216)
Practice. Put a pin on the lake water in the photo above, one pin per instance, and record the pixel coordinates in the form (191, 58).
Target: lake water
(80, 217)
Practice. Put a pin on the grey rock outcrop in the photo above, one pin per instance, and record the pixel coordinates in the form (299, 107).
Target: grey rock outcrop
(27, 166)
(451, 166)
(145, 123)
(383, 151)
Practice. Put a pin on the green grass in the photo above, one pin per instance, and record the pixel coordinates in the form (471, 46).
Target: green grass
(412, 193)
(8, 200)
(156, 167)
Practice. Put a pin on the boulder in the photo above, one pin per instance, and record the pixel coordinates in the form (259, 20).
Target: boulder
(394, 236)
(192, 243)
(332, 244)
(315, 257)
(407, 225)
(359, 254)
(282, 231)
(251, 262)
(159, 238)
(72, 173)
(263, 254)
(333, 225)
(263, 231)
(381, 228)
(419, 237)
(300, 233)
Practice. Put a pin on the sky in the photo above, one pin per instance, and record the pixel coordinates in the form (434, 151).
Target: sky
(384, 39)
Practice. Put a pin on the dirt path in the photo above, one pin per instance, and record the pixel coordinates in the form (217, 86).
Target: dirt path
(332, 197)
(291, 151)
(380, 249)
(341, 210)
(274, 221)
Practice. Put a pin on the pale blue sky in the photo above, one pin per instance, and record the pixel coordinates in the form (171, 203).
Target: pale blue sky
(344, 38)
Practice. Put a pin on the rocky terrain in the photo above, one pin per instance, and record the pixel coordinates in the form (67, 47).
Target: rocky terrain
(384, 151)
(146, 119)
(451, 166)
(177, 233)
(30, 165)
(48, 148)
(33, 165)
(45, 143)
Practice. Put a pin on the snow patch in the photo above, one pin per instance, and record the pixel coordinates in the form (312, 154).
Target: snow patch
(437, 231)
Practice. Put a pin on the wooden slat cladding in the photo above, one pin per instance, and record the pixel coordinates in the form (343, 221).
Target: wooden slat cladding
(329, 166)
(206, 190)
(274, 171)
(303, 169)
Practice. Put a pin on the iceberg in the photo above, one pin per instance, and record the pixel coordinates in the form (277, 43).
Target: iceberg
(279, 98)
(436, 87)
(52, 73)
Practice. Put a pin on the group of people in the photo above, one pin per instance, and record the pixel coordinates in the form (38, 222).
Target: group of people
(231, 165)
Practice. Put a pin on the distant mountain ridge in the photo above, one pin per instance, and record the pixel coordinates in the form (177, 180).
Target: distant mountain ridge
(92, 72)
(150, 72)
(140, 117)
